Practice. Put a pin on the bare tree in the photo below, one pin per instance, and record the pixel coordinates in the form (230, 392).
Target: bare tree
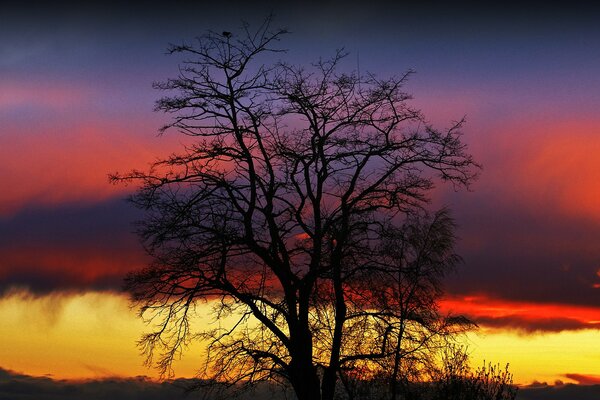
(280, 209)
(398, 291)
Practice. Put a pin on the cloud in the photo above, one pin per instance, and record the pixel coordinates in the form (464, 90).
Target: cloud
(523, 317)
(584, 379)
(534, 325)
(16, 95)
(559, 392)
(558, 167)
(512, 254)
(55, 162)
(73, 247)
(529, 230)
(15, 386)
(24, 387)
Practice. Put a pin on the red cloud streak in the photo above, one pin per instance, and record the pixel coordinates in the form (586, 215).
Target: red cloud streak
(523, 316)
(71, 163)
(51, 269)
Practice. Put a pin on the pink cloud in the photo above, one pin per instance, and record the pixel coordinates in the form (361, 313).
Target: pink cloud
(72, 163)
(552, 165)
(39, 93)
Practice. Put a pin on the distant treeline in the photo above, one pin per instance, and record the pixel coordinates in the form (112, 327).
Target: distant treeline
(15, 386)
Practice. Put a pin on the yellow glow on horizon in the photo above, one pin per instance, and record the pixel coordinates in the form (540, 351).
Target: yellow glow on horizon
(542, 357)
(93, 335)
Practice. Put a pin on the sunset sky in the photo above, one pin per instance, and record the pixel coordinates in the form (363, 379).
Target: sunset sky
(76, 103)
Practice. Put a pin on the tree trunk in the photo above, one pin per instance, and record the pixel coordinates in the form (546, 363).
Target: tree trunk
(329, 380)
(330, 375)
(302, 372)
(304, 380)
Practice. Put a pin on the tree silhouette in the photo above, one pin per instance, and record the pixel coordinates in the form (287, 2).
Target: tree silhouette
(299, 210)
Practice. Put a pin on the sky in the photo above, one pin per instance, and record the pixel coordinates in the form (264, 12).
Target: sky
(76, 103)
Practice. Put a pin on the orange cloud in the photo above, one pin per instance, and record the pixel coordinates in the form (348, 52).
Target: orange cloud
(552, 165)
(566, 169)
(522, 316)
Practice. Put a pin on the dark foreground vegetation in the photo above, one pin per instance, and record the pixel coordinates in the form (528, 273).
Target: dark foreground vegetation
(486, 383)
(15, 386)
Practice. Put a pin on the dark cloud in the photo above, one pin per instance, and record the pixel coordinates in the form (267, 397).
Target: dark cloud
(72, 247)
(559, 392)
(127, 38)
(107, 223)
(14, 386)
(39, 282)
(584, 379)
(534, 325)
(519, 252)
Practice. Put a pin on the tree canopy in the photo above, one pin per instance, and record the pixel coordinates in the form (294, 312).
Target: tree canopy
(299, 208)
